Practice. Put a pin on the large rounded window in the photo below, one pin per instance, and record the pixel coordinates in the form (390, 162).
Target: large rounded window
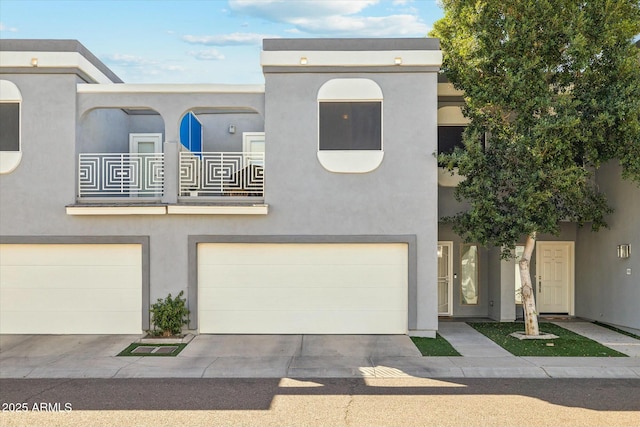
(10, 145)
(350, 125)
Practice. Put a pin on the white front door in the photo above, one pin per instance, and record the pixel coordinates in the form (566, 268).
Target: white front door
(445, 281)
(148, 180)
(253, 148)
(253, 142)
(554, 268)
(145, 143)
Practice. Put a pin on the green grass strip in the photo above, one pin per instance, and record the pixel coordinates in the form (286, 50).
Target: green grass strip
(437, 346)
(620, 331)
(568, 344)
(129, 350)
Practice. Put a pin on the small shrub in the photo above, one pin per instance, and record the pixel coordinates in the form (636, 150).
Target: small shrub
(169, 315)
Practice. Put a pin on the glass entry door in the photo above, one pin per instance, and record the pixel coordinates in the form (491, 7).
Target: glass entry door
(445, 280)
(146, 165)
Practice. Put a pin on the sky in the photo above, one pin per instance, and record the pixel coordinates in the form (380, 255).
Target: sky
(205, 41)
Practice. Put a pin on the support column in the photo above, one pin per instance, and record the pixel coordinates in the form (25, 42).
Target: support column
(171, 172)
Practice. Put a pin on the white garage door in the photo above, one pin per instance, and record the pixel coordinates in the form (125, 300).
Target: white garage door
(70, 289)
(302, 288)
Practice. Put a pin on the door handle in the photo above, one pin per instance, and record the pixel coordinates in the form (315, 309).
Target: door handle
(540, 284)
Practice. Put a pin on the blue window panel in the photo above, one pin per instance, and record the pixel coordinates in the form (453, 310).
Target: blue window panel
(191, 133)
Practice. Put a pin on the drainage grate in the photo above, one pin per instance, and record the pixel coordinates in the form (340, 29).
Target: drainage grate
(152, 350)
(165, 350)
(144, 350)
(139, 349)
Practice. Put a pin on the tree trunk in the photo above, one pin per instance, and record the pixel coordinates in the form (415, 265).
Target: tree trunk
(528, 299)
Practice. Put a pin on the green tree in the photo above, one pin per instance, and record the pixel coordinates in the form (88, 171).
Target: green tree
(552, 89)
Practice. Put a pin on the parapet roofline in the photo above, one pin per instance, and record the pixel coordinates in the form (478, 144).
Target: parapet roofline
(418, 54)
(171, 88)
(54, 54)
(351, 44)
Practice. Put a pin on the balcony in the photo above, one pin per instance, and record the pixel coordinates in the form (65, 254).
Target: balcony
(208, 183)
(218, 176)
(121, 176)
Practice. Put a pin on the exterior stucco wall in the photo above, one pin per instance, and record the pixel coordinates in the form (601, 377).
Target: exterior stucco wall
(485, 298)
(396, 198)
(496, 276)
(44, 181)
(216, 136)
(145, 123)
(604, 290)
(104, 131)
(447, 204)
(170, 105)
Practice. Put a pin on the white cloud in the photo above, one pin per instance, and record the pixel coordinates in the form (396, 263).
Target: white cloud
(4, 28)
(127, 60)
(232, 39)
(284, 10)
(333, 17)
(207, 55)
(170, 67)
(318, 18)
(147, 66)
(383, 26)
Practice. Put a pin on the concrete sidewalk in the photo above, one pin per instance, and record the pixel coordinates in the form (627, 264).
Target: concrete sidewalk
(306, 356)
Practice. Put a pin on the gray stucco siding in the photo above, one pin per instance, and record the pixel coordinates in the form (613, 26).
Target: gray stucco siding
(604, 290)
(171, 106)
(46, 175)
(294, 171)
(216, 136)
(396, 198)
(305, 200)
(45, 45)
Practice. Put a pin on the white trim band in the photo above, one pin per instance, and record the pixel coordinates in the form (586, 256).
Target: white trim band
(289, 58)
(116, 210)
(169, 88)
(218, 210)
(350, 161)
(53, 60)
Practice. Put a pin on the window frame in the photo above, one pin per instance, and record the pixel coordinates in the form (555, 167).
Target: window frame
(477, 274)
(10, 94)
(353, 105)
(350, 90)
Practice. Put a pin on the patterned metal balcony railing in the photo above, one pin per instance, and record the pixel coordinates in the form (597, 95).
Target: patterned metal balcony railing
(121, 175)
(217, 174)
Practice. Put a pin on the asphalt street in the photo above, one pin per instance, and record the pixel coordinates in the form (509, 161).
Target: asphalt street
(320, 402)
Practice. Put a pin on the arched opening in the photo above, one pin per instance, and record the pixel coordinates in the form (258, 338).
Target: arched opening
(223, 128)
(120, 154)
(222, 153)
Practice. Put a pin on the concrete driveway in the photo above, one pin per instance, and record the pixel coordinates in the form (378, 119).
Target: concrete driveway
(307, 356)
(233, 356)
